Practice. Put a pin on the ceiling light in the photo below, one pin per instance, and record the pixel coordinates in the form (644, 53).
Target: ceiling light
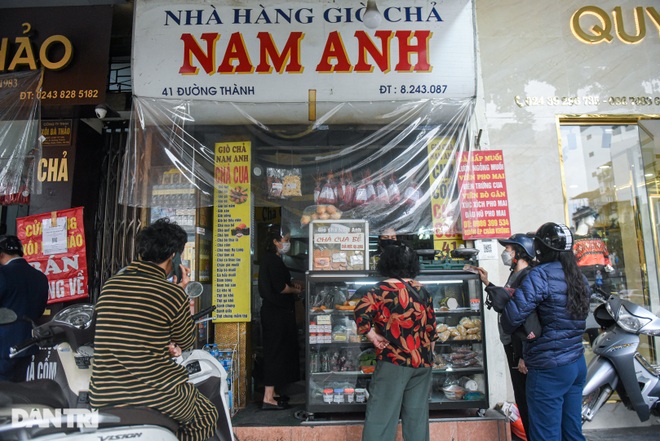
(372, 17)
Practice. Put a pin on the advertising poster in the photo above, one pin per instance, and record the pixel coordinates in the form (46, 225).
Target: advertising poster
(483, 196)
(54, 243)
(231, 232)
(339, 245)
(442, 180)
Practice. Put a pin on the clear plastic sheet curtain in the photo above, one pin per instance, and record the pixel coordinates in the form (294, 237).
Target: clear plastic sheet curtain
(20, 131)
(392, 163)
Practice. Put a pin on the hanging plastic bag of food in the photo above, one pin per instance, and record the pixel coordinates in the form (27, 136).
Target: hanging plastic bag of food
(411, 195)
(346, 202)
(371, 190)
(274, 183)
(327, 195)
(382, 195)
(317, 188)
(393, 191)
(361, 194)
(291, 183)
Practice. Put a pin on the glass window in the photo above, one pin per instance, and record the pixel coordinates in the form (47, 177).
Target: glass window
(610, 189)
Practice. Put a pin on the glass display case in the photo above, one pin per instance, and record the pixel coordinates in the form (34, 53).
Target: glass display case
(339, 362)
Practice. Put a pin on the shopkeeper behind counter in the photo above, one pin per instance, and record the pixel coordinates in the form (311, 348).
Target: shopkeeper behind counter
(387, 237)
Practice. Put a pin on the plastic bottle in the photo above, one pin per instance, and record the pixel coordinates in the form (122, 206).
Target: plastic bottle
(599, 278)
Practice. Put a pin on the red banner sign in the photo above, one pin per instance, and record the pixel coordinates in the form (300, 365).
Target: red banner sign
(483, 195)
(64, 263)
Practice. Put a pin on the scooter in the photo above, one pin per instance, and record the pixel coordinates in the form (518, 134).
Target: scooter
(617, 366)
(48, 409)
(598, 297)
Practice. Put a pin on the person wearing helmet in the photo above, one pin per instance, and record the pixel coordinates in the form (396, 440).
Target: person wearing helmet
(518, 255)
(559, 293)
(24, 290)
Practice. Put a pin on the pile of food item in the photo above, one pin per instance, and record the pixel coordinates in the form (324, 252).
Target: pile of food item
(320, 212)
(467, 329)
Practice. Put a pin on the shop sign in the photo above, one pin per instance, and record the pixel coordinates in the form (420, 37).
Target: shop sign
(339, 245)
(261, 53)
(483, 195)
(231, 231)
(594, 25)
(442, 181)
(70, 44)
(54, 243)
(56, 133)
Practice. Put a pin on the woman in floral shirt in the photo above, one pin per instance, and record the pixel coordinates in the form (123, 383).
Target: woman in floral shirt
(397, 317)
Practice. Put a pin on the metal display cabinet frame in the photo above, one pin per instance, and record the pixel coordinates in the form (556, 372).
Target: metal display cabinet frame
(334, 352)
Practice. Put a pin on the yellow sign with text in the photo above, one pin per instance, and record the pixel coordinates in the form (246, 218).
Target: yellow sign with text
(231, 232)
(442, 166)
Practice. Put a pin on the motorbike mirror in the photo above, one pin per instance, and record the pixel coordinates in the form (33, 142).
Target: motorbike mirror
(194, 289)
(7, 316)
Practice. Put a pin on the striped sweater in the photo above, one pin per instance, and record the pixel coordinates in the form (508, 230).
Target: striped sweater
(138, 314)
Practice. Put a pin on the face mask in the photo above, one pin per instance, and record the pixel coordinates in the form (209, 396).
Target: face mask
(286, 246)
(384, 243)
(507, 260)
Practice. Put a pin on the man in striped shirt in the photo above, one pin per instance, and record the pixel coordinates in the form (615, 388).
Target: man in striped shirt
(139, 316)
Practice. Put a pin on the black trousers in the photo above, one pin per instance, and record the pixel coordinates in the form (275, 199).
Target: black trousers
(518, 381)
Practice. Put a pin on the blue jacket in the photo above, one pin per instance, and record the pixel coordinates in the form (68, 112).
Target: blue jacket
(560, 343)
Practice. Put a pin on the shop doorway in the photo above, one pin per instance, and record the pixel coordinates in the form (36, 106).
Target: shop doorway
(610, 171)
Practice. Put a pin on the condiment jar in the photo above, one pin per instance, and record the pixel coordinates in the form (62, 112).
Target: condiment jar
(349, 394)
(339, 395)
(327, 395)
(360, 395)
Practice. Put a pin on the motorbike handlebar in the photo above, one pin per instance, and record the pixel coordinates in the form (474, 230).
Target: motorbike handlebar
(15, 350)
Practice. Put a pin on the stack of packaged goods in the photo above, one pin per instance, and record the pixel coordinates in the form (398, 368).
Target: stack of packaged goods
(226, 358)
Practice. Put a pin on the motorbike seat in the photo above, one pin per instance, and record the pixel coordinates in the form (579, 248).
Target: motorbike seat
(128, 416)
(44, 392)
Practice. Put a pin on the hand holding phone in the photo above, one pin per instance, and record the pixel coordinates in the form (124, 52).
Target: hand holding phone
(176, 268)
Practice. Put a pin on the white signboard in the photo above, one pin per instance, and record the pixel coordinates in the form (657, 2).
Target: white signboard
(250, 51)
(338, 245)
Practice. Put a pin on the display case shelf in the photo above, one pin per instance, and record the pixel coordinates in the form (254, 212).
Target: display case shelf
(335, 365)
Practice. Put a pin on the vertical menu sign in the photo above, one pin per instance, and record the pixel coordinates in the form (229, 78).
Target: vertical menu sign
(231, 232)
(442, 181)
(483, 195)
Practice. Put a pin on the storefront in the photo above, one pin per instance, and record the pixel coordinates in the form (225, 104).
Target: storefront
(244, 99)
(257, 115)
(53, 64)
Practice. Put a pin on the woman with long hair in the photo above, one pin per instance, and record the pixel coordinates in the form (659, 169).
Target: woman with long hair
(559, 293)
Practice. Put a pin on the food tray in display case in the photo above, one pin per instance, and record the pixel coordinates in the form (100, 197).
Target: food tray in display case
(340, 362)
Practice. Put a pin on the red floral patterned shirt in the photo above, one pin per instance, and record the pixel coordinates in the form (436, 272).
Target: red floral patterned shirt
(399, 316)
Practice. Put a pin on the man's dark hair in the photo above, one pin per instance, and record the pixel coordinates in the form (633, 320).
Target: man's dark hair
(160, 240)
(11, 245)
(398, 260)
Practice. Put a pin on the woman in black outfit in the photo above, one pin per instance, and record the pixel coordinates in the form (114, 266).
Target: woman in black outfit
(278, 321)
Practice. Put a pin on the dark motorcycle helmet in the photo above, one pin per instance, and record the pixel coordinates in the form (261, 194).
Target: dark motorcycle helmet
(556, 237)
(11, 245)
(523, 240)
